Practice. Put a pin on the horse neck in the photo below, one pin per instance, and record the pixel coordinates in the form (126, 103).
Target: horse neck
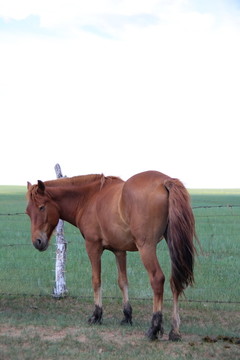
(70, 198)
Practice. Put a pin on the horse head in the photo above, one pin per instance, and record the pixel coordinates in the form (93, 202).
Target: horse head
(43, 213)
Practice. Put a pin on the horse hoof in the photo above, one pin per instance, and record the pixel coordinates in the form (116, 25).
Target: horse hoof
(156, 329)
(173, 336)
(126, 322)
(93, 321)
(127, 311)
(96, 317)
(151, 335)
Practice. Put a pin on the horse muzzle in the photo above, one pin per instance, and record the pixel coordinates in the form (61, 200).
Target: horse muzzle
(40, 244)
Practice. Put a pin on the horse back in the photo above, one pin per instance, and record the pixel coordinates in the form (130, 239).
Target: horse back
(124, 215)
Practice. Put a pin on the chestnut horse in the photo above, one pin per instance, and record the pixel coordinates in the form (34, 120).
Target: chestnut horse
(122, 216)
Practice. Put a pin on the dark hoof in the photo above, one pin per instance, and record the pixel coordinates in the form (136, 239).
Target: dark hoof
(152, 335)
(156, 329)
(96, 317)
(127, 311)
(173, 336)
(93, 320)
(126, 321)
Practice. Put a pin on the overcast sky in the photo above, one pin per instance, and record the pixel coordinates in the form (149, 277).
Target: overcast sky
(118, 87)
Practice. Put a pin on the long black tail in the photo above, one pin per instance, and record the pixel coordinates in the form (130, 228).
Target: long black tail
(180, 234)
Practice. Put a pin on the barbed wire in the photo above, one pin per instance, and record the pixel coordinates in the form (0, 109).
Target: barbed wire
(216, 206)
(89, 298)
(228, 206)
(13, 214)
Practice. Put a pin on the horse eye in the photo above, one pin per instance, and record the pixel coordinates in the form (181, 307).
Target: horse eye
(41, 208)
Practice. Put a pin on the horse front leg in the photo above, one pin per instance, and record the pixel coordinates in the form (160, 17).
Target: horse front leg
(123, 285)
(95, 251)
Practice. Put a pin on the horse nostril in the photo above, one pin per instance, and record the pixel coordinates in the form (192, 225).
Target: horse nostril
(40, 244)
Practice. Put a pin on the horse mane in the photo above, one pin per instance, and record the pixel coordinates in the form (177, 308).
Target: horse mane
(72, 182)
(82, 180)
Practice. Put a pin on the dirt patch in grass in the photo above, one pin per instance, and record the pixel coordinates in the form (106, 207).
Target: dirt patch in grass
(115, 342)
(43, 333)
(43, 328)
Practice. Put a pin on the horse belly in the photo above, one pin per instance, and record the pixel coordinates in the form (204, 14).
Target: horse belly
(119, 243)
(117, 236)
(115, 232)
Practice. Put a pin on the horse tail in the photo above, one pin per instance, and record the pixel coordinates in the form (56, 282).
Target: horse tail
(180, 235)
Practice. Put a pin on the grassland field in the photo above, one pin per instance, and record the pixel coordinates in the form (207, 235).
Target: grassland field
(34, 325)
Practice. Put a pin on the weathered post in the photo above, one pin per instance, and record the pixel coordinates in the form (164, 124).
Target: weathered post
(60, 288)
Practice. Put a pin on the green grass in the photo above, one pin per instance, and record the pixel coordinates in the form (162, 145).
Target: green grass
(33, 326)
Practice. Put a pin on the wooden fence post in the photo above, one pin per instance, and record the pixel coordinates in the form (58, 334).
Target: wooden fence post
(60, 288)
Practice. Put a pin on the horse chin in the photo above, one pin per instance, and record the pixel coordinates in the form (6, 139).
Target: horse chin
(44, 249)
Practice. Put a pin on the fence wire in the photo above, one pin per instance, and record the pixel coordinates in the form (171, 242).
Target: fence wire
(24, 271)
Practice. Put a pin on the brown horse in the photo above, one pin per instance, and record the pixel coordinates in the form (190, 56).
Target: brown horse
(122, 216)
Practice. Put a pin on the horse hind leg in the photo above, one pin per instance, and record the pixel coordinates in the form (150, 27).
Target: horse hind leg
(174, 334)
(123, 285)
(157, 278)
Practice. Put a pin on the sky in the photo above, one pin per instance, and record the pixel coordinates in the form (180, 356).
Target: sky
(119, 87)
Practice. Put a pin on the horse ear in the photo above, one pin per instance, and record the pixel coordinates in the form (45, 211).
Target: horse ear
(28, 185)
(41, 186)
